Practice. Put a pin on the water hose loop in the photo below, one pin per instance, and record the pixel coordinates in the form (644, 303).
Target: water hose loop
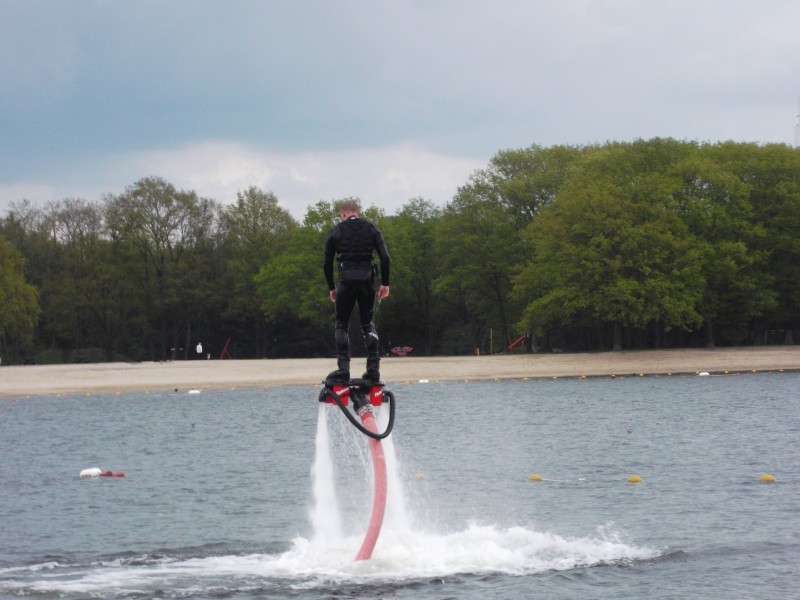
(375, 436)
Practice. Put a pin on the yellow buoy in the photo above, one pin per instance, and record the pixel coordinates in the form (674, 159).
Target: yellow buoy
(766, 477)
(535, 477)
(634, 479)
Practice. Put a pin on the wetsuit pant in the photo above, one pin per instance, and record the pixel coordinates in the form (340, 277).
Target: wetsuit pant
(348, 294)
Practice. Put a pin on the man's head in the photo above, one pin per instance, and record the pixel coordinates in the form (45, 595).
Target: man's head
(349, 207)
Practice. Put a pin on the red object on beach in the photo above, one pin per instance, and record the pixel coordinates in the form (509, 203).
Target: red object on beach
(402, 350)
(516, 343)
(225, 353)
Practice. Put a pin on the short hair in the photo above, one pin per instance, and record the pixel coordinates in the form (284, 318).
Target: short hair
(350, 205)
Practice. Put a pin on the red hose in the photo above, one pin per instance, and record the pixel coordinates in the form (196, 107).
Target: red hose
(379, 499)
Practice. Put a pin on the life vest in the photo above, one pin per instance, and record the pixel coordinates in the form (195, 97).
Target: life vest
(354, 248)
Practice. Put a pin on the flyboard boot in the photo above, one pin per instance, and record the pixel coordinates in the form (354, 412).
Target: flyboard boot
(373, 372)
(342, 374)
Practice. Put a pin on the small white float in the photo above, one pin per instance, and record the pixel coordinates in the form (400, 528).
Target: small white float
(95, 472)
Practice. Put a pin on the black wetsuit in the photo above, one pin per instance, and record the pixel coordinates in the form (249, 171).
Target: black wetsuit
(352, 243)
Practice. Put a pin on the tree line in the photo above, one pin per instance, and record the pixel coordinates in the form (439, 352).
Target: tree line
(647, 244)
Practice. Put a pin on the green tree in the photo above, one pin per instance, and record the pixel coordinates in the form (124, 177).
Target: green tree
(409, 316)
(478, 245)
(292, 290)
(257, 229)
(526, 180)
(174, 235)
(294, 299)
(609, 252)
(714, 201)
(19, 300)
(771, 174)
(83, 295)
(33, 232)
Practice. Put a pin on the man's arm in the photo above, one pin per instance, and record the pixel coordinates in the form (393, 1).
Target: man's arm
(327, 262)
(383, 254)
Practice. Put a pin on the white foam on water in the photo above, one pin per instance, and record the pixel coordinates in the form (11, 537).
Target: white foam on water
(324, 513)
(396, 518)
(402, 556)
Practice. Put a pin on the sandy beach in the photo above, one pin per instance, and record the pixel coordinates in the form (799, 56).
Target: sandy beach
(199, 374)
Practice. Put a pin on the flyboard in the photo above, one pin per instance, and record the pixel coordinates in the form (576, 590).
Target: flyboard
(364, 395)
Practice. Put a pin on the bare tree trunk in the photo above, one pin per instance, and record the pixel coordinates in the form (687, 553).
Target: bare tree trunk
(617, 336)
(188, 343)
(708, 333)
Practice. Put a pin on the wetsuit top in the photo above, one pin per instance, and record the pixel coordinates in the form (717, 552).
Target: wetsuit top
(353, 241)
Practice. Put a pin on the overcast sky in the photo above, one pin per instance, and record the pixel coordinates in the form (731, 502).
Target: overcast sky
(382, 99)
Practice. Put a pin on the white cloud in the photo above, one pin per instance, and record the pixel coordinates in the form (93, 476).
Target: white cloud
(385, 177)
(38, 193)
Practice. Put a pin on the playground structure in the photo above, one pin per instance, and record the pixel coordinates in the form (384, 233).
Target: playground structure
(487, 343)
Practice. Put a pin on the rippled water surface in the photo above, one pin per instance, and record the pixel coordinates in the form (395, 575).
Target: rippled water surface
(219, 500)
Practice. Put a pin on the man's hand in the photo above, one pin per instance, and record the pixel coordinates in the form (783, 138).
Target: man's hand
(332, 294)
(383, 292)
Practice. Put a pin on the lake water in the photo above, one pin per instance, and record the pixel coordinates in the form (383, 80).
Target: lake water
(219, 500)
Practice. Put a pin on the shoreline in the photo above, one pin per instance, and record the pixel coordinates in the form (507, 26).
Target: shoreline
(31, 380)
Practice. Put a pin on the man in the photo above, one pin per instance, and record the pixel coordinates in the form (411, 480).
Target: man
(352, 243)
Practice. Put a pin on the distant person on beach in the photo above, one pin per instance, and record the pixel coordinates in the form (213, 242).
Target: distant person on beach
(352, 242)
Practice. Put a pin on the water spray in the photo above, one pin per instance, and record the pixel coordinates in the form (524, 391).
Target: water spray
(365, 395)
